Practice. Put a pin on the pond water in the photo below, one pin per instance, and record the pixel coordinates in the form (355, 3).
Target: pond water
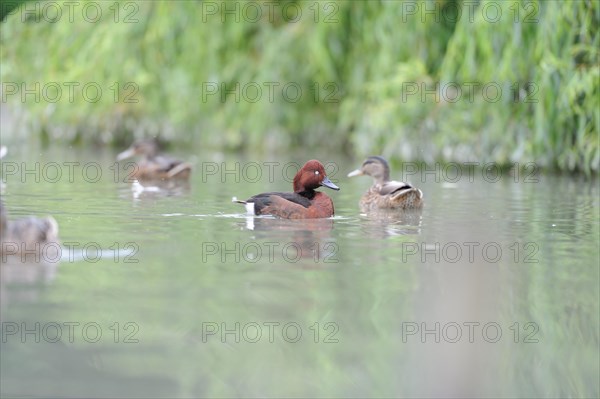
(491, 290)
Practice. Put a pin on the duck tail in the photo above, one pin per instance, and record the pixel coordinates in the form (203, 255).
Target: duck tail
(248, 205)
(179, 168)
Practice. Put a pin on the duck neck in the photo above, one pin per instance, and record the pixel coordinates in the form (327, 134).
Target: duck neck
(380, 180)
(307, 193)
(386, 174)
(298, 186)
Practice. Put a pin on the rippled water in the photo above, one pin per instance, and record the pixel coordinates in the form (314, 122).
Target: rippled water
(491, 290)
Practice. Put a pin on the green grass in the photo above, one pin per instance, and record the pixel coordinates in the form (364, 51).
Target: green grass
(357, 65)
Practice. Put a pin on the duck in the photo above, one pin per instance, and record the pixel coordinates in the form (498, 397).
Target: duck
(154, 166)
(386, 193)
(303, 203)
(3, 152)
(26, 234)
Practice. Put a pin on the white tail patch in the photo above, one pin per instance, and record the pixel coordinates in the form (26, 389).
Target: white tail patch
(250, 208)
(248, 205)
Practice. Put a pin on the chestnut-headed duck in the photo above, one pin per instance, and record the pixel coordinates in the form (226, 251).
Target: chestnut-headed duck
(386, 193)
(154, 166)
(303, 203)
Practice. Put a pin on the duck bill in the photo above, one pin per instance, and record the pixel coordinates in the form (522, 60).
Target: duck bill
(128, 153)
(327, 183)
(356, 172)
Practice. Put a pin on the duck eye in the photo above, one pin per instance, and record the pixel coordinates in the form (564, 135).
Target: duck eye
(316, 172)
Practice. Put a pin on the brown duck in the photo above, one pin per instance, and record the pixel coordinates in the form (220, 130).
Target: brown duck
(154, 166)
(24, 234)
(386, 193)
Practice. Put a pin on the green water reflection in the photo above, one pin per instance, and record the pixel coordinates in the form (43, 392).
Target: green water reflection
(208, 303)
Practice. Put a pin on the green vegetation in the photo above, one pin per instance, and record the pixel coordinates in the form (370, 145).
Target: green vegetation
(518, 81)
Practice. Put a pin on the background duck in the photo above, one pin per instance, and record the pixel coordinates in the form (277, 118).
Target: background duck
(386, 193)
(154, 166)
(303, 203)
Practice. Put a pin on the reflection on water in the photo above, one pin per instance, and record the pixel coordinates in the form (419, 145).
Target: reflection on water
(490, 290)
(153, 189)
(306, 240)
(387, 223)
(23, 281)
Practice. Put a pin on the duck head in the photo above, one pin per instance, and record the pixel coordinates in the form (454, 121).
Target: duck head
(312, 176)
(145, 147)
(374, 166)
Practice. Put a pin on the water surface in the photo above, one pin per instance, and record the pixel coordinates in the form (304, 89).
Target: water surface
(491, 290)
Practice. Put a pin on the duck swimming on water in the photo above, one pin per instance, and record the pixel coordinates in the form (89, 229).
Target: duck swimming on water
(303, 203)
(25, 234)
(154, 166)
(386, 193)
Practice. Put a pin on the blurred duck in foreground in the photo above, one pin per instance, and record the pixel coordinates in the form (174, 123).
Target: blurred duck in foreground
(386, 193)
(22, 235)
(3, 152)
(154, 166)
